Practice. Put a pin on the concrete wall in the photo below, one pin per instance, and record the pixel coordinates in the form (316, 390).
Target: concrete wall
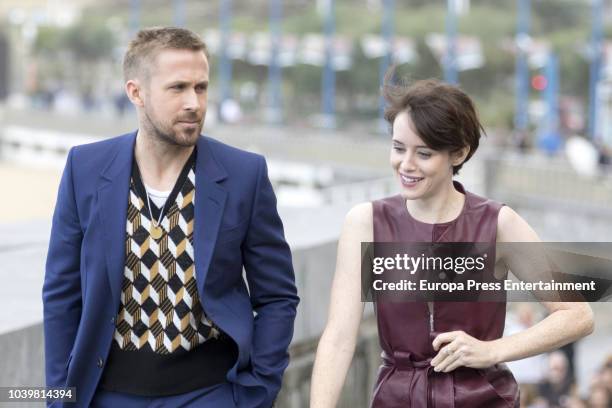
(22, 357)
(360, 379)
(314, 271)
(22, 361)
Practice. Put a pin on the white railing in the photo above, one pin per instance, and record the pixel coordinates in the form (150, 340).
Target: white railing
(38, 147)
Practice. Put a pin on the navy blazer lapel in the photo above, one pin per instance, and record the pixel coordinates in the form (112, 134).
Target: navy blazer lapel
(209, 203)
(113, 195)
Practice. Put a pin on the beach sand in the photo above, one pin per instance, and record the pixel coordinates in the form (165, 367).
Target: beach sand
(28, 193)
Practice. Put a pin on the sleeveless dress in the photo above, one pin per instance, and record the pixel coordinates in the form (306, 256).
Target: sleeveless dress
(406, 330)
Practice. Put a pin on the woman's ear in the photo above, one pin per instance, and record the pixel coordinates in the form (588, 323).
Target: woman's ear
(458, 156)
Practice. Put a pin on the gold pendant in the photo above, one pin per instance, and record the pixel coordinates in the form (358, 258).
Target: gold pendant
(156, 231)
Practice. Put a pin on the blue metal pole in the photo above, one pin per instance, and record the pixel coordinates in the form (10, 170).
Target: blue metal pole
(274, 69)
(596, 49)
(179, 13)
(388, 29)
(521, 118)
(134, 16)
(552, 91)
(225, 63)
(549, 138)
(329, 75)
(450, 60)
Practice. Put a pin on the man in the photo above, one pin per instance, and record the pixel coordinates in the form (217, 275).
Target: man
(144, 298)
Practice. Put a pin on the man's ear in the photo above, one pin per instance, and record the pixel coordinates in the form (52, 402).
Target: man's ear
(458, 156)
(134, 91)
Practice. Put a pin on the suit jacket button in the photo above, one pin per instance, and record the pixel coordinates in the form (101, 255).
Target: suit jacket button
(100, 362)
(112, 320)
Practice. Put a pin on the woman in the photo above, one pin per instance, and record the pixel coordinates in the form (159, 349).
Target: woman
(434, 354)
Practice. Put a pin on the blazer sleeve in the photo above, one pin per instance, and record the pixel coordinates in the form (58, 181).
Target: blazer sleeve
(61, 291)
(270, 276)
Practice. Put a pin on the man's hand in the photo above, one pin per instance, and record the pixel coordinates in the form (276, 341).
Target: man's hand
(458, 349)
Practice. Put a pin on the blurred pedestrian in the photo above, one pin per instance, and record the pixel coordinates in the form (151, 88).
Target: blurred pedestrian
(600, 397)
(575, 402)
(558, 386)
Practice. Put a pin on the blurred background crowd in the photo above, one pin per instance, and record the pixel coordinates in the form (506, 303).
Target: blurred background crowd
(551, 380)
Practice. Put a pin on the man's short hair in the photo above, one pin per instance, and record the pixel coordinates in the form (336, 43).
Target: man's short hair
(143, 49)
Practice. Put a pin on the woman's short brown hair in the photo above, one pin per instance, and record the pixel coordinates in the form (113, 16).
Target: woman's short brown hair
(443, 115)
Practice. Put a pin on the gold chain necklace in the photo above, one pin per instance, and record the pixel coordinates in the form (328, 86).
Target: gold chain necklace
(156, 229)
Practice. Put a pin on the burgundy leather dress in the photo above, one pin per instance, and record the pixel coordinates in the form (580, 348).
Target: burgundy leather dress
(406, 330)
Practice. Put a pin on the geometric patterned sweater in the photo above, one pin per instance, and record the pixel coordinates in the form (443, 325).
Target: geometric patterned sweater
(161, 324)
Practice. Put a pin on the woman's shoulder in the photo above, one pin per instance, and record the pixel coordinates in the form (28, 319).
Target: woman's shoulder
(507, 216)
(360, 213)
(511, 227)
(358, 222)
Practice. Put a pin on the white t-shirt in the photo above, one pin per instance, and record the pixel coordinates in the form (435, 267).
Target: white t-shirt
(158, 197)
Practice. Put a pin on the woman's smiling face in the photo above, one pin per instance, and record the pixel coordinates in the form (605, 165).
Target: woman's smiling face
(421, 170)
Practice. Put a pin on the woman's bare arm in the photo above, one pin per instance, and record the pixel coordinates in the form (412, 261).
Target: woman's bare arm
(337, 343)
(566, 322)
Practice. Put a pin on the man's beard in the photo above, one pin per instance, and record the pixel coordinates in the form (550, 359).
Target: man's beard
(166, 134)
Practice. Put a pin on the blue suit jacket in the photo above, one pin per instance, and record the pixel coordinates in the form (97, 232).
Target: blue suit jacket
(236, 226)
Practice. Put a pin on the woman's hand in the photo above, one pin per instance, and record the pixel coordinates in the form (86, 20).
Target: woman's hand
(458, 348)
